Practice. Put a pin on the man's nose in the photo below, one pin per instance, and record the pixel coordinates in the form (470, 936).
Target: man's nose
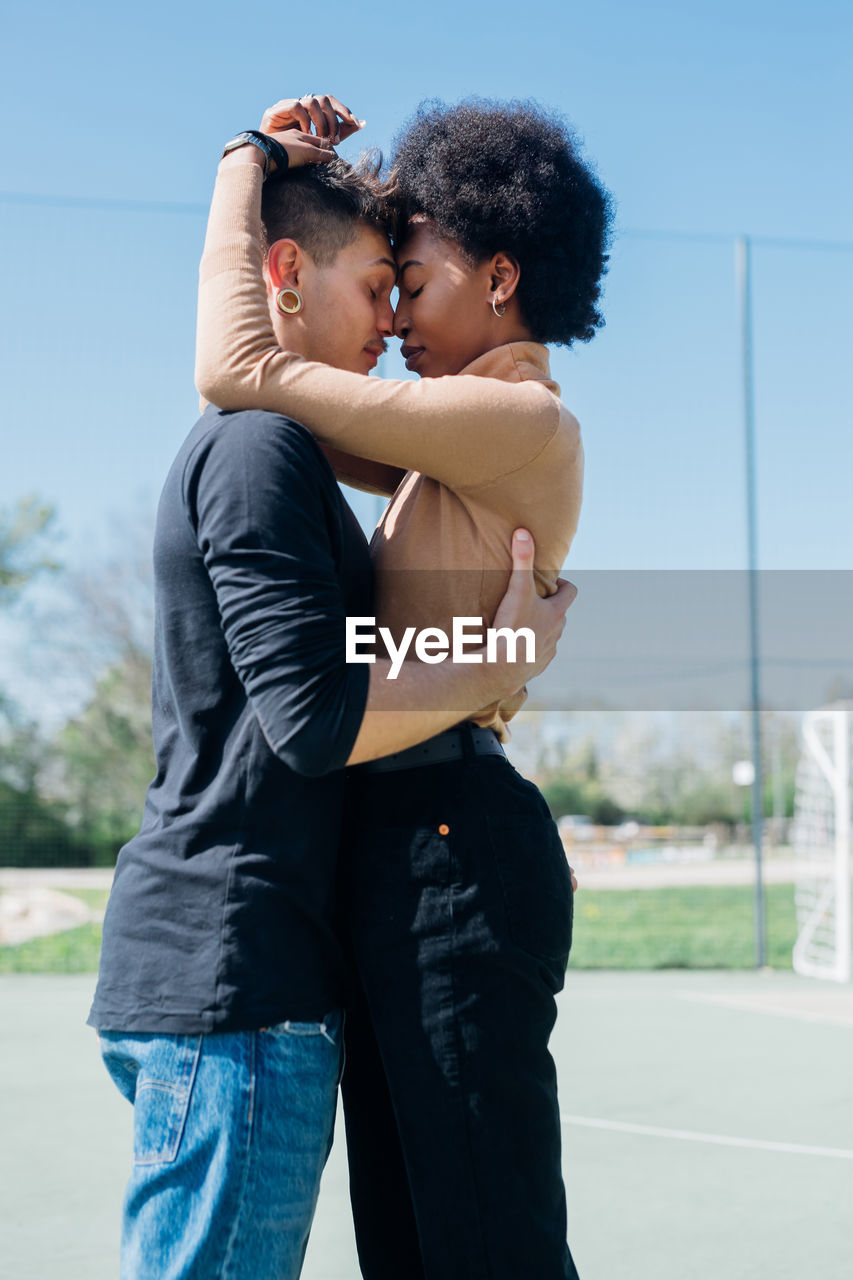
(386, 321)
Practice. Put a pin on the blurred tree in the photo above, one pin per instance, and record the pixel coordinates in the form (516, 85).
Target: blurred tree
(33, 831)
(26, 534)
(77, 798)
(103, 758)
(563, 797)
(567, 795)
(590, 761)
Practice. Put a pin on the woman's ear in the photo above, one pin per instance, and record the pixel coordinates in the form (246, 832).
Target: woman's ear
(505, 275)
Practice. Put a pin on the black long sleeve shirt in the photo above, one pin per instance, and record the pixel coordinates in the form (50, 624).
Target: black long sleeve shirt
(221, 913)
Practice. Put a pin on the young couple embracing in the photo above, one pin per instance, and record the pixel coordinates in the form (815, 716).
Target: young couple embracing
(328, 855)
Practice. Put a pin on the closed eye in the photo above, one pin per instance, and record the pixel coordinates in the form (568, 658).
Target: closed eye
(416, 293)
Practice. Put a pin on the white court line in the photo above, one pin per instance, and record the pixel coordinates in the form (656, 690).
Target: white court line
(718, 1139)
(756, 1006)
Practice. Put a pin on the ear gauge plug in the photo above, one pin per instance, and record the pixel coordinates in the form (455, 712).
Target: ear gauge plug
(289, 301)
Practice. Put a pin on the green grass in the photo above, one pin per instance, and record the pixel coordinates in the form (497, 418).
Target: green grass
(94, 898)
(74, 951)
(697, 928)
(700, 928)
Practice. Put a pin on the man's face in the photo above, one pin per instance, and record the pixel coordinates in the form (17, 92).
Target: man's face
(347, 313)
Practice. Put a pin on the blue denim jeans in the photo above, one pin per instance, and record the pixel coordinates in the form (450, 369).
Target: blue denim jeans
(231, 1133)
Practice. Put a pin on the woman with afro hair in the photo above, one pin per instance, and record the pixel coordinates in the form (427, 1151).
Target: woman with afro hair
(456, 893)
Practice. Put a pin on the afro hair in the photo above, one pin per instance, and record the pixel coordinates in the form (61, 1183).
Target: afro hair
(496, 176)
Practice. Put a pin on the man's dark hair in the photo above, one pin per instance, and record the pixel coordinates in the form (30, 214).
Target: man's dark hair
(496, 176)
(320, 206)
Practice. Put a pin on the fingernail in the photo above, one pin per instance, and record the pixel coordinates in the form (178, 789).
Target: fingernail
(361, 123)
(522, 537)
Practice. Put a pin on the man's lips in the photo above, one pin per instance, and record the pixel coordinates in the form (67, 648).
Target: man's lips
(411, 355)
(374, 353)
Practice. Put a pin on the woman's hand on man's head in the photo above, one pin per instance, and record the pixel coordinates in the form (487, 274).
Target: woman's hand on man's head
(308, 128)
(292, 120)
(328, 117)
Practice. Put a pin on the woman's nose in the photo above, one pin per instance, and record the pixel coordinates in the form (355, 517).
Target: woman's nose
(402, 324)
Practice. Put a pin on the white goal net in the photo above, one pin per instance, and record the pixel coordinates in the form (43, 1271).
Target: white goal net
(821, 838)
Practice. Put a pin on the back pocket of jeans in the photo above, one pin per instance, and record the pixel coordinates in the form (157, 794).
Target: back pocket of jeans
(536, 882)
(163, 1091)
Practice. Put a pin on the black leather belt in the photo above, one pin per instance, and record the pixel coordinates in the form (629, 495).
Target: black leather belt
(446, 746)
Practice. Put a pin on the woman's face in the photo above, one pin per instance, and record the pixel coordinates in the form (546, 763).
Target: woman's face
(444, 314)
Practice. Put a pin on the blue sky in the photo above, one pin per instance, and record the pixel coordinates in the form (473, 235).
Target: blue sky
(705, 121)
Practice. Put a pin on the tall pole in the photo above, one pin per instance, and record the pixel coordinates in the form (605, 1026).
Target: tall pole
(842, 844)
(743, 269)
(778, 788)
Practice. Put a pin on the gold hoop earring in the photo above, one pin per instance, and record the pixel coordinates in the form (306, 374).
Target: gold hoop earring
(289, 301)
(495, 307)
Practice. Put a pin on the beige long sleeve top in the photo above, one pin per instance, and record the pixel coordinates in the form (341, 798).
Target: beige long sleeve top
(485, 452)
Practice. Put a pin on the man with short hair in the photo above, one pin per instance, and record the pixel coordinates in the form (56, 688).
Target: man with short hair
(220, 987)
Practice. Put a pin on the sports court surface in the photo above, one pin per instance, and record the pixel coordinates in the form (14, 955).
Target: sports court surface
(708, 1132)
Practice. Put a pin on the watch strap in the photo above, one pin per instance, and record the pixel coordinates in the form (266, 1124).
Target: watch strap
(271, 148)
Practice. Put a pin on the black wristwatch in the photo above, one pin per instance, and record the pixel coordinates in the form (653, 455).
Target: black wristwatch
(272, 149)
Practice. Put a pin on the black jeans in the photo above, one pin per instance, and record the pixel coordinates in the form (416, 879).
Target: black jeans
(459, 907)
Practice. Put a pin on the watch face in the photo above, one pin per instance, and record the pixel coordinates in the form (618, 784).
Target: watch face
(239, 140)
(249, 140)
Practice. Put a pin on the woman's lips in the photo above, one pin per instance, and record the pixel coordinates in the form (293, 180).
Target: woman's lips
(412, 355)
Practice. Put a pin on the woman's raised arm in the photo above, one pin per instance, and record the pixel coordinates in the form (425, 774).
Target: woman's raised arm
(464, 431)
